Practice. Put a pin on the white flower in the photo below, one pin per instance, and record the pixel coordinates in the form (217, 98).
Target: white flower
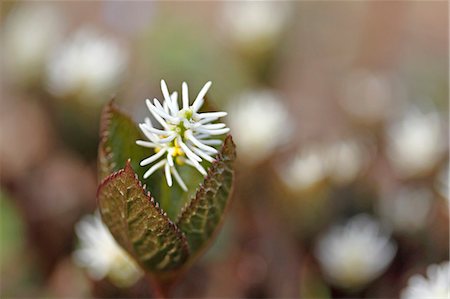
(345, 160)
(415, 143)
(25, 49)
(101, 255)
(436, 285)
(260, 124)
(355, 254)
(369, 97)
(249, 21)
(184, 136)
(407, 210)
(305, 170)
(88, 65)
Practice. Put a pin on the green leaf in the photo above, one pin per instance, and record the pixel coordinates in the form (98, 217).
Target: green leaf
(118, 135)
(202, 216)
(138, 224)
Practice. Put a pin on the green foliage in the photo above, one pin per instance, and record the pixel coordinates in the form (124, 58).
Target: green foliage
(118, 135)
(138, 224)
(139, 216)
(203, 214)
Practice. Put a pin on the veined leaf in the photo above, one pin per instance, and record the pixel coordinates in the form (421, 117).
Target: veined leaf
(138, 224)
(118, 135)
(202, 215)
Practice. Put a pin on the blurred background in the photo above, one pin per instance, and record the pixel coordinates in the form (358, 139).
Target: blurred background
(340, 115)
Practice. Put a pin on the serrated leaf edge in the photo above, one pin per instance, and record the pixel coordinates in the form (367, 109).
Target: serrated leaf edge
(105, 123)
(220, 158)
(129, 169)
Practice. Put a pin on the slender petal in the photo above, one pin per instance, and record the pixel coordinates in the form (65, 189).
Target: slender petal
(211, 142)
(168, 175)
(188, 152)
(148, 134)
(158, 131)
(179, 179)
(185, 92)
(174, 97)
(154, 168)
(167, 139)
(214, 132)
(203, 154)
(153, 158)
(146, 144)
(194, 140)
(207, 120)
(155, 115)
(200, 97)
(214, 126)
(167, 97)
(170, 156)
(160, 110)
(211, 114)
(197, 166)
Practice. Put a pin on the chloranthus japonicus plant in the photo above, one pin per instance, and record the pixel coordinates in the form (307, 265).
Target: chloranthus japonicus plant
(166, 182)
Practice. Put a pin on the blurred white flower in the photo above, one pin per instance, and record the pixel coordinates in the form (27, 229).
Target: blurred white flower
(345, 160)
(185, 134)
(260, 124)
(89, 66)
(407, 210)
(30, 32)
(249, 21)
(305, 170)
(436, 285)
(355, 254)
(415, 143)
(369, 97)
(101, 255)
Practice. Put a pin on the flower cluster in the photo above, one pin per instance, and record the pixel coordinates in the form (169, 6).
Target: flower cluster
(184, 134)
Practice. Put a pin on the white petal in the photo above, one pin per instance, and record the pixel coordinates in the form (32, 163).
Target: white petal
(194, 140)
(185, 91)
(166, 107)
(212, 114)
(150, 136)
(167, 97)
(214, 126)
(170, 157)
(154, 168)
(155, 115)
(200, 97)
(197, 166)
(197, 104)
(174, 97)
(160, 110)
(179, 179)
(211, 141)
(214, 132)
(157, 131)
(207, 119)
(168, 175)
(153, 158)
(146, 144)
(167, 139)
(203, 154)
(188, 151)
